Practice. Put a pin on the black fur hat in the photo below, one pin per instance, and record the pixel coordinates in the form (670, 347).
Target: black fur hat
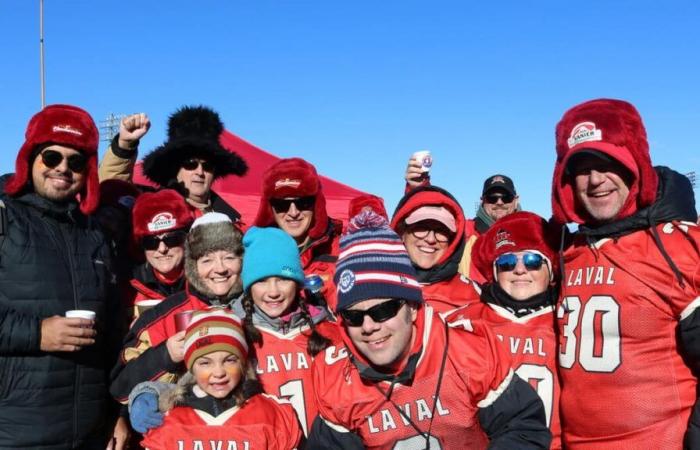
(193, 131)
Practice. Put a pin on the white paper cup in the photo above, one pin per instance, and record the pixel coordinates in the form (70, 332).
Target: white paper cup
(425, 159)
(144, 305)
(81, 314)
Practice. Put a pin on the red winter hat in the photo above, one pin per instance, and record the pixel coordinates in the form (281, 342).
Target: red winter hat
(615, 129)
(292, 177)
(367, 201)
(63, 125)
(157, 212)
(515, 232)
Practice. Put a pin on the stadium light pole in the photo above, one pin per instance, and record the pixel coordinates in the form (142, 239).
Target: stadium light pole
(41, 53)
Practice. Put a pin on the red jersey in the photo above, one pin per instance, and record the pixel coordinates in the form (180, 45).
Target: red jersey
(261, 423)
(531, 342)
(473, 374)
(450, 294)
(284, 367)
(624, 383)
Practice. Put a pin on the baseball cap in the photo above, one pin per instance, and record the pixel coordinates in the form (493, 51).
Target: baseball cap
(438, 213)
(500, 182)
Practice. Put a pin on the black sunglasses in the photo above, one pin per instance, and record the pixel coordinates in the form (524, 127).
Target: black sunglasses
(494, 198)
(52, 158)
(281, 205)
(193, 163)
(508, 261)
(170, 240)
(379, 313)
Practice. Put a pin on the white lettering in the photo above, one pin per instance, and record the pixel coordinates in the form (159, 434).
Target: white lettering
(423, 410)
(372, 427)
(387, 421)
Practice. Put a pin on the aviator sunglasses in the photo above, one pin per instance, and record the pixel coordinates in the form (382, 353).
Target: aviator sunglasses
(494, 198)
(508, 261)
(170, 240)
(193, 163)
(281, 205)
(52, 158)
(379, 313)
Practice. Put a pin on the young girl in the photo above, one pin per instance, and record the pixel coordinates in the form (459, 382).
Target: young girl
(217, 404)
(285, 330)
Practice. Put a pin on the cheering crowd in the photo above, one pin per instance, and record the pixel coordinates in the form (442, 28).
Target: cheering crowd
(137, 316)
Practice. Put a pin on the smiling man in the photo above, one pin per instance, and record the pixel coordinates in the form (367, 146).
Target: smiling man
(55, 258)
(403, 378)
(628, 324)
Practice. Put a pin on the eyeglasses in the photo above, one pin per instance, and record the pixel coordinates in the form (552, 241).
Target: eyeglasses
(422, 233)
(174, 239)
(193, 164)
(379, 313)
(281, 205)
(494, 198)
(508, 261)
(52, 158)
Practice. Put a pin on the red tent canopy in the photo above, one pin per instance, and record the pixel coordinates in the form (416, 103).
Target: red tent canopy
(244, 192)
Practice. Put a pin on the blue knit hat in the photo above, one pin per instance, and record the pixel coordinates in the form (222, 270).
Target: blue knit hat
(373, 263)
(270, 252)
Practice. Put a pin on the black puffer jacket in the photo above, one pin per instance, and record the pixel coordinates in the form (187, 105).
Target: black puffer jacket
(53, 259)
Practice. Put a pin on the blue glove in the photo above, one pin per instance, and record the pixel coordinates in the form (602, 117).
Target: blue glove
(144, 413)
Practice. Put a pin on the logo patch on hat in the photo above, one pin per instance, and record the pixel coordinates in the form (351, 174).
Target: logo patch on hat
(498, 179)
(288, 271)
(347, 281)
(287, 182)
(584, 132)
(66, 129)
(162, 221)
(503, 238)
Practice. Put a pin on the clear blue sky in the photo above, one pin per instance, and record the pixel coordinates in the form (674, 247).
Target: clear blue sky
(356, 87)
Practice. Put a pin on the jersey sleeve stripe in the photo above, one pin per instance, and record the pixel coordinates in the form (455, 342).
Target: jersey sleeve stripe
(690, 309)
(493, 395)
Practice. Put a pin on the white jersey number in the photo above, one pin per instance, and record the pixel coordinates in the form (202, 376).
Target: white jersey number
(599, 349)
(294, 392)
(542, 379)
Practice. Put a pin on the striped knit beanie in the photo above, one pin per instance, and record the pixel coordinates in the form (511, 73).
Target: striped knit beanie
(373, 263)
(212, 330)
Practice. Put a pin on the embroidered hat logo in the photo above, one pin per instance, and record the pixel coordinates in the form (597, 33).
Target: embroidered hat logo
(503, 238)
(584, 132)
(287, 182)
(347, 281)
(162, 221)
(66, 129)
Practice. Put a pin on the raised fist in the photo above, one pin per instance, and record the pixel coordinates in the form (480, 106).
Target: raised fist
(132, 128)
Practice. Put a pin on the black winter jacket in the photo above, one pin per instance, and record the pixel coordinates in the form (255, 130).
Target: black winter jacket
(53, 259)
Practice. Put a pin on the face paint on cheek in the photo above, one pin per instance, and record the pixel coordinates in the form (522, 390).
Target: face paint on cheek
(202, 376)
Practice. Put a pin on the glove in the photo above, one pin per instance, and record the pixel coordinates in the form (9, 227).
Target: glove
(144, 413)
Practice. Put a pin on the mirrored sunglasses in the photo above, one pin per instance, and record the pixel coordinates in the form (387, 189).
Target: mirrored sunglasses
(281, 205)
(193, 163)
(76, 162)
(508, 261)
(379, 313)
(174, 239)
(494, 198)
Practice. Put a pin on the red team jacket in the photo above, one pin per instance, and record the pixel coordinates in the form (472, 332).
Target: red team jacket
(450, 294)
(284, 367)
(477, 369)
(262, 422)
(531, 342)
(624, 383)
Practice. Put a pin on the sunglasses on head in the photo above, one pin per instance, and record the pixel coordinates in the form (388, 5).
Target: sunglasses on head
(508, 261)
(494, 198)
(173, 239)
(379, 313)
(283, 204)
(52, 158)
(193, 163)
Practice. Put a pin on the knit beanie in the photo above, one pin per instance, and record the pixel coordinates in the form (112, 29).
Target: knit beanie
(211, 232)
(65, 125)
(373, 263)
(159, 212)
(213, 330)
(270, 252)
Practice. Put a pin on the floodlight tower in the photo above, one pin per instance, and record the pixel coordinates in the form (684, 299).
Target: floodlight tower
(691, 177)
(109, 127)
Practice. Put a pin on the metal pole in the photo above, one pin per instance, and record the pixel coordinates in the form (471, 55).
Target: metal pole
(41, 53)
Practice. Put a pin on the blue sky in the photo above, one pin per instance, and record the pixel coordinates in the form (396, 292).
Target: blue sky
(356, 87)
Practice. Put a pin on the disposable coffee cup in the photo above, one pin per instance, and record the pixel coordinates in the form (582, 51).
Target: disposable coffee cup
(144, 305)
(182, 319)
(425, 159)
(80, 314)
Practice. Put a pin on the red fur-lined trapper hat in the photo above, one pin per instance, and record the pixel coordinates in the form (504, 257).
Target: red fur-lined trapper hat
(156, 213)
(288, 178)
(614, 129)
(516, 232)
(65, 125)
(367, 202)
